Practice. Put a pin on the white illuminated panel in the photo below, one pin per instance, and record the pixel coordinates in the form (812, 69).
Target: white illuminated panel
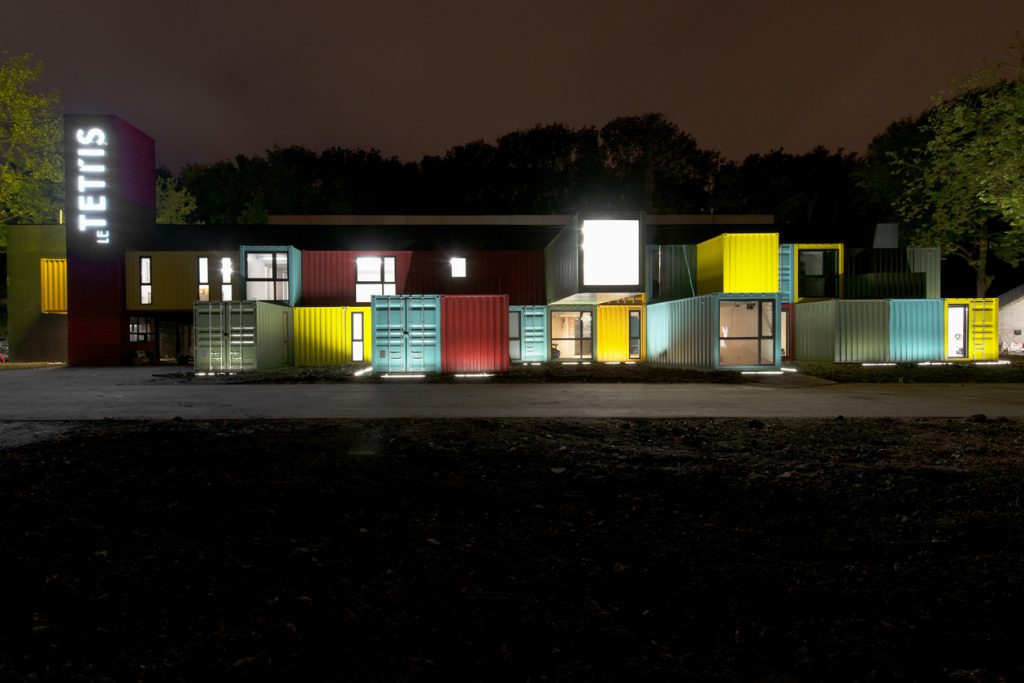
(458, 266)
(91, 162)
(611, 253)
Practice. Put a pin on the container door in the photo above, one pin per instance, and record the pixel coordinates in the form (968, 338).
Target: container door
(389, 338)
(241, 336)
(956, 331)
(535, 334)
(423, 350)
(515, 341)
(209, 338)
(984, 330)
(358, 349)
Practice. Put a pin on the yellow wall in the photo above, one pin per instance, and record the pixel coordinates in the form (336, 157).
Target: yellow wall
(982, 326)
(796, 268)
(323, 335)
(175, 277)
(613, 334)
(53, 285)
(738, 263)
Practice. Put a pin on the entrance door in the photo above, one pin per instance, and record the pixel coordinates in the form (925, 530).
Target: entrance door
(572, 335)
(167, 344)
(956, 331)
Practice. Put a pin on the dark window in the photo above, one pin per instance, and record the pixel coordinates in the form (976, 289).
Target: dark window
(141, 329)
(515, 337)
(634, 334)
(818, 273)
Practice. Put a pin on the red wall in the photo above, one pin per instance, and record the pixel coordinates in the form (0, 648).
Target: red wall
(474, 333)
(329, 277)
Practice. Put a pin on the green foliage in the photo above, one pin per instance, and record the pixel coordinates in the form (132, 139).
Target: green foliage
(965, 187)
(31, 162)
(174, 204)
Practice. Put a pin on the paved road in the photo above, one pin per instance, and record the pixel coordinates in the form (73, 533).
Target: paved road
(135, 393)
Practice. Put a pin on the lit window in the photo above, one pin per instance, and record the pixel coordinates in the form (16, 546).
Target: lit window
(374, 275)
(611, 253)
(746, 333)
(458, 266)
(204, 278)
(226, 270)
(266, 276)
(145, 280)
(141, 329)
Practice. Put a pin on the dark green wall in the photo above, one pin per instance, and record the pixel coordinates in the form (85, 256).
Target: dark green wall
(31, 334)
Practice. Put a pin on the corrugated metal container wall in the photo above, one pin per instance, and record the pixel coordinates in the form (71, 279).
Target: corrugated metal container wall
(878, 260)
(329, 277)
(982, 329)
(689, 332)
(530, 330)
(863, 331)
(407, 333)
(241, 335)
(320, 335)
(927, 260)
(33, 335)
(274, 324)
(671, 272)
(53, 285)
(474, 333)
(814, 331)
(738, 263)
(915, 330)
(519, 274)
(562, 264)
(886, 286)
(620, 336)
(786, 273)
(174, 276)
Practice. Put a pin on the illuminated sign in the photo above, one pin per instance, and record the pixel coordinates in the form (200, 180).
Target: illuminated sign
(92, 207)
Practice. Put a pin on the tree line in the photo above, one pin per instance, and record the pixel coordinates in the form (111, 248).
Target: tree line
(953, 177)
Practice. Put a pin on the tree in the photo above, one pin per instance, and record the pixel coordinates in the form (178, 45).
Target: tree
(967, 192)
(31, 162)
(174, 204)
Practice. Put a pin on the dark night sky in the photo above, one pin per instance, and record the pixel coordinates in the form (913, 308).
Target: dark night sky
(210, 80)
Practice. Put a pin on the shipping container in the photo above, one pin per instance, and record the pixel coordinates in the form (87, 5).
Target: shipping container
(345, 278)
(474, 333)
(786, 283)
(671, 272)
(528, 334)
(595, 261)
(406, 333)
(335, 335)
(842, 331)
(174, 280)
(927, 260)
(971, 329)
(517, 274)
(1011, 321)
(811, 271)
(903, 285)
(915, 330)
(233, 336)
(715, 332)
(738, 263)
(271, 273)
(620, 333)
(33, 333)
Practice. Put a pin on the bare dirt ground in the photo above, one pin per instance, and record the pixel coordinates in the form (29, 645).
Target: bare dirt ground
(515, 550)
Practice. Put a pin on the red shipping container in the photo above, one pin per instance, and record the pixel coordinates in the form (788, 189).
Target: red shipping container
(474, 333)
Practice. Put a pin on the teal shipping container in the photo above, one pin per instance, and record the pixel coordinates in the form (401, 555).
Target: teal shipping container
(786, 273)
(406, 333)
(916, 330)
(272, 273)
(715, 332)
(234, 336)
(528, 334)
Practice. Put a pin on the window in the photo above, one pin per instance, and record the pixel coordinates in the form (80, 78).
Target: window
(145, 280)
(226, 270)
(634, 334)
(141, 329)
(458, 266)
(204, 278)
(374, 275)
(746, 333)
(515, 339)
(572, 335)
(358, 348)
(818, 273)
(266, 276)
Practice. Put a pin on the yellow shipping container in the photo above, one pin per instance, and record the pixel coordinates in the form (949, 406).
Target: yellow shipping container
(174, 279)
(738, 263)
(334, 335)
(53, 285)
(972, 329)
(620, 334)
(797, 274)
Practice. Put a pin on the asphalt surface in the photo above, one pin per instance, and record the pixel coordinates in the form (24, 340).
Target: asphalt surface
(62, 393)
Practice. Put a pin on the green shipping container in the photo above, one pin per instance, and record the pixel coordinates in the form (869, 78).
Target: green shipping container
(236, 336)
(842, 331)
